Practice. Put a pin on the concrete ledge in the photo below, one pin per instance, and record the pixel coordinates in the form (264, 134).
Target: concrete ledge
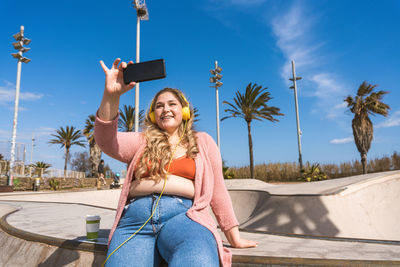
(52, 241)
(92, 252)
(239, 260)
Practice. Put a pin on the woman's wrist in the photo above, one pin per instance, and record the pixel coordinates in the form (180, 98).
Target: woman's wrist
(109, 106)
(233, 235)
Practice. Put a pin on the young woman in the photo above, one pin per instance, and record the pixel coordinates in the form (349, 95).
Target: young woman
(174, 176)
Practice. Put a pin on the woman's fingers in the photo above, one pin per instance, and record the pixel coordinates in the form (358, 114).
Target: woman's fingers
(103, 66)
(250, 244)
(244, 243)
(116, 62)
(131, 85)
(122, 66)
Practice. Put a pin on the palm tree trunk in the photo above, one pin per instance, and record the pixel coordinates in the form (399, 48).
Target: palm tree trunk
(66, 161)
(95, 156)
(364, 162)
(250, 151)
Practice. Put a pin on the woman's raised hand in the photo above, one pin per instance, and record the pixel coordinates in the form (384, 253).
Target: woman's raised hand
(114, 78)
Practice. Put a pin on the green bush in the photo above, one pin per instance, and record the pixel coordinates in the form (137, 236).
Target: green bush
(54, 184)
(313, 173)
(16, 183)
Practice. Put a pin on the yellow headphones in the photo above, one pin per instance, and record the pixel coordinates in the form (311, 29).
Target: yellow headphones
(185, 110)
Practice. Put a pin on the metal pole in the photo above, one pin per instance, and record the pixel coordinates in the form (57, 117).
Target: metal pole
(14, 131)
(33, 140)
(217, 103)
(137, 84)
(297, 115)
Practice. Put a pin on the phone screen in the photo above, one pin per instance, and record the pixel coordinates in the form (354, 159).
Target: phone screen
(145, 71)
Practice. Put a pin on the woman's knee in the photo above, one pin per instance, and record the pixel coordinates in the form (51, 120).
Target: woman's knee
(183, 242)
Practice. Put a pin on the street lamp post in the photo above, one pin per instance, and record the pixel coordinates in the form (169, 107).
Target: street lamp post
(294, 79)
(215, 80)
(32, 145)
(19, 45)
(142, 14)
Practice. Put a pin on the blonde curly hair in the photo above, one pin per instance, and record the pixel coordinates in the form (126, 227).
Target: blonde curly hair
(158, 151)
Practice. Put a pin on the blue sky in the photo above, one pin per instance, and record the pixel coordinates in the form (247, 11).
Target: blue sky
(336, 45)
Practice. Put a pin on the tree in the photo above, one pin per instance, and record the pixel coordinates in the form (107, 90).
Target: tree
(81, 162)
(365, 103)
(252, 106)
(126, 121)
(67, 138)
(40, 168)
(94, 149)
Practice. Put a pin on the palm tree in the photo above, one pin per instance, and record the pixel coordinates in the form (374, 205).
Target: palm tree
(252, 105)
(94, 149)
(67, 138)
(126, 122)
(363, 104)
(40, 168)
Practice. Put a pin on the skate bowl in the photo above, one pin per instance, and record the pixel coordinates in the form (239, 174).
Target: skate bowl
(360, 207)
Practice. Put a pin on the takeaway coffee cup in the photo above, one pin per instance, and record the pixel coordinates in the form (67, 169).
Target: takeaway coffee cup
(92, 227)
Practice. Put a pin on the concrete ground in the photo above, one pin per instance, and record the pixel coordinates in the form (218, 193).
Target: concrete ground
(343, 222)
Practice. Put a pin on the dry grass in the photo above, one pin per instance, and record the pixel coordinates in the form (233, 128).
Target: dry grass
(289, 171)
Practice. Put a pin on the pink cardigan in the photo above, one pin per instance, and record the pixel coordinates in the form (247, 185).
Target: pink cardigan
(209, 183)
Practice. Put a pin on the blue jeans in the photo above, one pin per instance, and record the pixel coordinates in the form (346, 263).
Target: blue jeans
(169, 234)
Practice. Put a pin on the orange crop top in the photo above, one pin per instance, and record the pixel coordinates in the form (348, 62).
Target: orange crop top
(182, 166)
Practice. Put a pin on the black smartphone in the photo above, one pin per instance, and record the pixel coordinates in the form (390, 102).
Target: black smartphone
(145, 71)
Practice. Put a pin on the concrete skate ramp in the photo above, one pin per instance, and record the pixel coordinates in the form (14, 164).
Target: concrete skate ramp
(361, 207)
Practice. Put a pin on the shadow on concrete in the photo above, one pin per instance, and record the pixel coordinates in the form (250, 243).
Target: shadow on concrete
(60, 257)
(299, 214)
(67, 252)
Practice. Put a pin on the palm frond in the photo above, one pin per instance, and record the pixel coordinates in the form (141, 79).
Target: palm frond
(67, 137)
(196, 114)
(126, 120)
(252, 105)
(88, 131)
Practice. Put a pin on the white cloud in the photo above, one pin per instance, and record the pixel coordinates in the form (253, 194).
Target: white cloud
(392, 121)
(327, 86)
(294, 31)
(30, 96)
(7, 94)
(26, 136)
(44, 131)
(20, 108)
(342, 140)
(330, 94)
